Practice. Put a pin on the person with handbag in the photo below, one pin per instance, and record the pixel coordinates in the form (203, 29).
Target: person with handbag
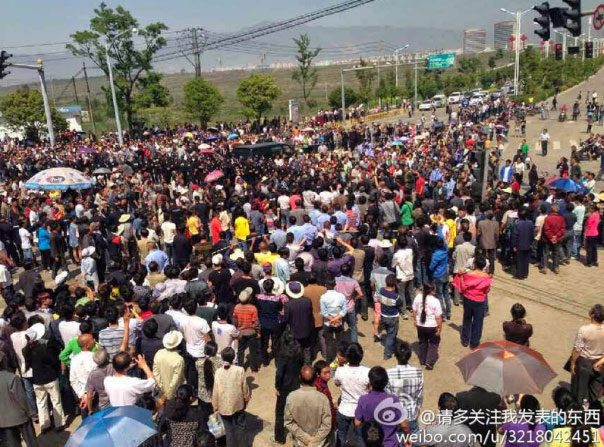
(230, 397)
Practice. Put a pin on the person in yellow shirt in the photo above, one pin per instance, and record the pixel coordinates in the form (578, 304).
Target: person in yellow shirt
(450, 222)
(242, 229)
(265, 255)
(194, 227)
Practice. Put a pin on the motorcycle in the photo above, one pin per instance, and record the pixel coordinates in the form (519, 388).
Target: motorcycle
(562, 117)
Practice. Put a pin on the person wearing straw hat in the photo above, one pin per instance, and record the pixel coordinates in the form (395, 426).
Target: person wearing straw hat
(169, 365)
(299, 317)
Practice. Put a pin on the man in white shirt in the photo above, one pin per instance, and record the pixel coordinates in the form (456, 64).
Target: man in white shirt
(26, 238)
(333, 309)
(195, 330)
(68, 328)
(81, 366)
(19, 341)
(353, 380)
(168, 229)
(225, 334)
(402, 262)
(283, 201)
(123, 390)
(544, 138)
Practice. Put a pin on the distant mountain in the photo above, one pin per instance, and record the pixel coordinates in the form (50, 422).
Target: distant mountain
(338, 43)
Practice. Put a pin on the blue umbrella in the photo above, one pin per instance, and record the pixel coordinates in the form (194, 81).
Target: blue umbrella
(233, 136)
(114, 427)
(396, 143)
(568, 185)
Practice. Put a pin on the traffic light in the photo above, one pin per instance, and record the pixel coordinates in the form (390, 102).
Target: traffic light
(557, 17)
(573, 17)
(589, 50)
(543, 21)
(558, 50)
(4, 64)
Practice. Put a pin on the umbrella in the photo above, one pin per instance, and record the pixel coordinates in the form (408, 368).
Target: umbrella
(506, 368)
(568, 185)
(213, 176)
(85, 150)
(114, 427)
(101, 171)
(203, 146)
(126, 170)
(60, 179)
(212, 129)
(232, 136)
(206, 139)
(308, 129)
(396, 143)
(187, 135)
(207, 151)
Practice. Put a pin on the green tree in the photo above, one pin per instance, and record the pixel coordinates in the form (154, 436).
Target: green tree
(150, 92)
(257, 93)
(306, 75)
(335, 97)
(202, 100)
(23, 109)
(365, 78)
(115, 26)
(469, 64)
(492, 61)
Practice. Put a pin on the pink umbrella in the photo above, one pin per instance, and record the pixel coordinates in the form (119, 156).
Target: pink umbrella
(213, 176)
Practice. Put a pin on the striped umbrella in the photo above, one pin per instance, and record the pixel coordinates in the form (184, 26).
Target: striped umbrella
(506, 368)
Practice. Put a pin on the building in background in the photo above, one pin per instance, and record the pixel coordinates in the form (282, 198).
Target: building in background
(501, 34)
(73, 116)
(474, 40)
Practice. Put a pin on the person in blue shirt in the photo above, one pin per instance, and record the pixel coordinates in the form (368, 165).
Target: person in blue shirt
(439, 270)
(44, 247)
(157, 255)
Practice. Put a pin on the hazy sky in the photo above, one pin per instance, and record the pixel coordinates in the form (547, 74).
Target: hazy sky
(35, 22)
(32, 27)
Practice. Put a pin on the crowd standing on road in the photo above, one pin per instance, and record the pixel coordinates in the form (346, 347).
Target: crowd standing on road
(186, 287)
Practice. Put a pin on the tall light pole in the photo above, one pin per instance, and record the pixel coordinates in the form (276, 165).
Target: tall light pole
(344, 70)
(118, 123)
(518, 15)
(396, 60)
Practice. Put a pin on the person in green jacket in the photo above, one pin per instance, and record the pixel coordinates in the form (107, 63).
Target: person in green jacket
(406, 209)
(72, 347)
(524, 149)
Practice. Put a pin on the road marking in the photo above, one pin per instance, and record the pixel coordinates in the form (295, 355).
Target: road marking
(537, 146)
(556, 146)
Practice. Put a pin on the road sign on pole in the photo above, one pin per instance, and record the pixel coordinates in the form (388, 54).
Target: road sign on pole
(440, 61)
(598, 17)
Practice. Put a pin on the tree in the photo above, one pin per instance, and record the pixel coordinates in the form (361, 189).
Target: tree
(151, 93)
(257, 93)
(115, 26)
(24, 110)
(306, 75)
(365, 78)
(492, 61)
(335, 97)
(202, 100)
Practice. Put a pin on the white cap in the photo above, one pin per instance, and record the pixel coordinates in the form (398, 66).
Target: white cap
(217, 259)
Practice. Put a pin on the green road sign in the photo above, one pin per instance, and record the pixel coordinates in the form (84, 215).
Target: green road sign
(440, 61)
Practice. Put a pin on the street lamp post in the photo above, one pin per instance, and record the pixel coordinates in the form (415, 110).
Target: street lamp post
(344, 70)
(518, 15)
(396, 60)
(118, 123)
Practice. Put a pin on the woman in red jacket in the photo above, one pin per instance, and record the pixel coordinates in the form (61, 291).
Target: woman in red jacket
(474, 286)
(591, 236)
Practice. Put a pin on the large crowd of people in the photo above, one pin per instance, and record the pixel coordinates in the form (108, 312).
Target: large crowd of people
(169, 290)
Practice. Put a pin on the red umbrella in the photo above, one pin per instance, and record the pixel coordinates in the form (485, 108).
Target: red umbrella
(506, 368)
(213, 176)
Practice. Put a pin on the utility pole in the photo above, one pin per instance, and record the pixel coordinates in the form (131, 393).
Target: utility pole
(52, 92)
(564, 45)
(415, 87)
(75, 90)
(88, 102)
(192, 41)
(39, 67)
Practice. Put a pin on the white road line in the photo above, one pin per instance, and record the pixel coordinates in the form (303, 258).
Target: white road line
(556, 145)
